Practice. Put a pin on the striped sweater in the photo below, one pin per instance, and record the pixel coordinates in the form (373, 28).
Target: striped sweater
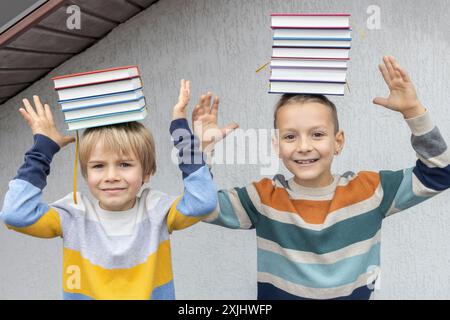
(324, 243)
(111, 255)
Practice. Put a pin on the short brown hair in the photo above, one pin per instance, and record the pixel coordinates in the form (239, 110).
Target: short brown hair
(124, 138)
(289, 98)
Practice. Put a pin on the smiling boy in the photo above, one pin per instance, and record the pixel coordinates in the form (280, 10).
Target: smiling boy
(318, 233)
(117, 245)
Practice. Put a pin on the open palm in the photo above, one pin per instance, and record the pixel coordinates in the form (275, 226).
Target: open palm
(402, 94)
(204, 122)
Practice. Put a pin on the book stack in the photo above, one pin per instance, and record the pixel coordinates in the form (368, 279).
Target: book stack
(310, 53)
(102, 97)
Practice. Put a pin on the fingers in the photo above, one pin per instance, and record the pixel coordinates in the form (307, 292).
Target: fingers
(185, 91)
(391, 70)
(48, 113)
(182, 85)
(228, 129)
(207, 102)
(381, 101)
(29, 108)
(68, 139)
(385, 74)
(38, 105)
(389, 67)
(204, 105)
(400, 71)
(199, 108)
(215, 107)
(196, 113)
(188, 88)
(26, 116)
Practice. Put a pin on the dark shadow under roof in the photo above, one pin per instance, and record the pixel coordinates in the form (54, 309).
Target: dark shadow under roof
(40, 41)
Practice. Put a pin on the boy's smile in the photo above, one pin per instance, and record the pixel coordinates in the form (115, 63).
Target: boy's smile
(114, 179)
(307, 142)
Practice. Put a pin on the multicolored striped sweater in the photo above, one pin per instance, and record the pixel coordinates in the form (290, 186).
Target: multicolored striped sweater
(324, 243)
(111, 255)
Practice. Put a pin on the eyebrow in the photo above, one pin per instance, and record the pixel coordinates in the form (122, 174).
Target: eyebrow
(313, 128)
(119, 160)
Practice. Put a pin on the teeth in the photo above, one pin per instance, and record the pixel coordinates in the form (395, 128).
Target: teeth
(304, 161)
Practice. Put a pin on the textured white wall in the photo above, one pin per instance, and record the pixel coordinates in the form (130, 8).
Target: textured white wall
(219, 44)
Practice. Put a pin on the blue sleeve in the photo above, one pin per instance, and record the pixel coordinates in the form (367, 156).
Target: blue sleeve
(200, 193)
(23, 209)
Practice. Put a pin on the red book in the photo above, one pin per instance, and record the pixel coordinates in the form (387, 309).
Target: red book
(95, 77)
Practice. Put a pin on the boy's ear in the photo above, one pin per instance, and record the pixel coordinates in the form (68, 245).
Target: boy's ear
(146, 179)
(339, 142)
(276, 143)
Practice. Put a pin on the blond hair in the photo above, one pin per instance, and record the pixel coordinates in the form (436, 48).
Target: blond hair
(125, 139)
(288, 98)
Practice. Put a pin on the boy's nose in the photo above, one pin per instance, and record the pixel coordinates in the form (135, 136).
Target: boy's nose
(112, 174)
(304, 145)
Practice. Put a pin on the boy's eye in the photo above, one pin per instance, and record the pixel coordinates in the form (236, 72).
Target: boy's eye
(289, 137)
(318, 134)
(125, 165)
(97, 166)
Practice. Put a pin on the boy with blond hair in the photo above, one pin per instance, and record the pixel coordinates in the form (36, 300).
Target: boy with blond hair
(118, 245)
(318, 233)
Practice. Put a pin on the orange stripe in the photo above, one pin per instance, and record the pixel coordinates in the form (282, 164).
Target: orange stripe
(311, 211)
(359, 189)
(314, 211)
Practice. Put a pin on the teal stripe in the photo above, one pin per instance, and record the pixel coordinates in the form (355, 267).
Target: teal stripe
(336, 274)
(335, 237)
(405, 197)
(390, 182)
(247, 203)
(227, 216)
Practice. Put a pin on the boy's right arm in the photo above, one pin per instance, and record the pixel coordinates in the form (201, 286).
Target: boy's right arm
(237, 208)
(23, 209)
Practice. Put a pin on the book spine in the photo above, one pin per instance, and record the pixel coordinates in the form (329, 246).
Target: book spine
(306, 81)
(94, 72)
(307, 27)
(95, 82)
(100, 105)
(310, 58)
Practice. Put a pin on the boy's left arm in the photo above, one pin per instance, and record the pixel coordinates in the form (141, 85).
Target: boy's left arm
(431, 175)
(200, 193)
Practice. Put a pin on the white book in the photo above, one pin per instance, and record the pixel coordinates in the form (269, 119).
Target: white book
(305, 74)
(312, 34)
(101, 89)
(103, 121)
(98, 76)
(318, 53)
(103, 100)
(105, 110)
(329, 88)
(308, 63)
(312, 43)
(311, 20)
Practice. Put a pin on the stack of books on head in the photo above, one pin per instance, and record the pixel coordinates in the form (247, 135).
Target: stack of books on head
(310, 53)
(102, 97)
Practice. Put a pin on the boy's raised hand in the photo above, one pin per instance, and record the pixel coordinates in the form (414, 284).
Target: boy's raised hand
(179, 110)
(41, 121)
(402, 96)
(204, 121)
